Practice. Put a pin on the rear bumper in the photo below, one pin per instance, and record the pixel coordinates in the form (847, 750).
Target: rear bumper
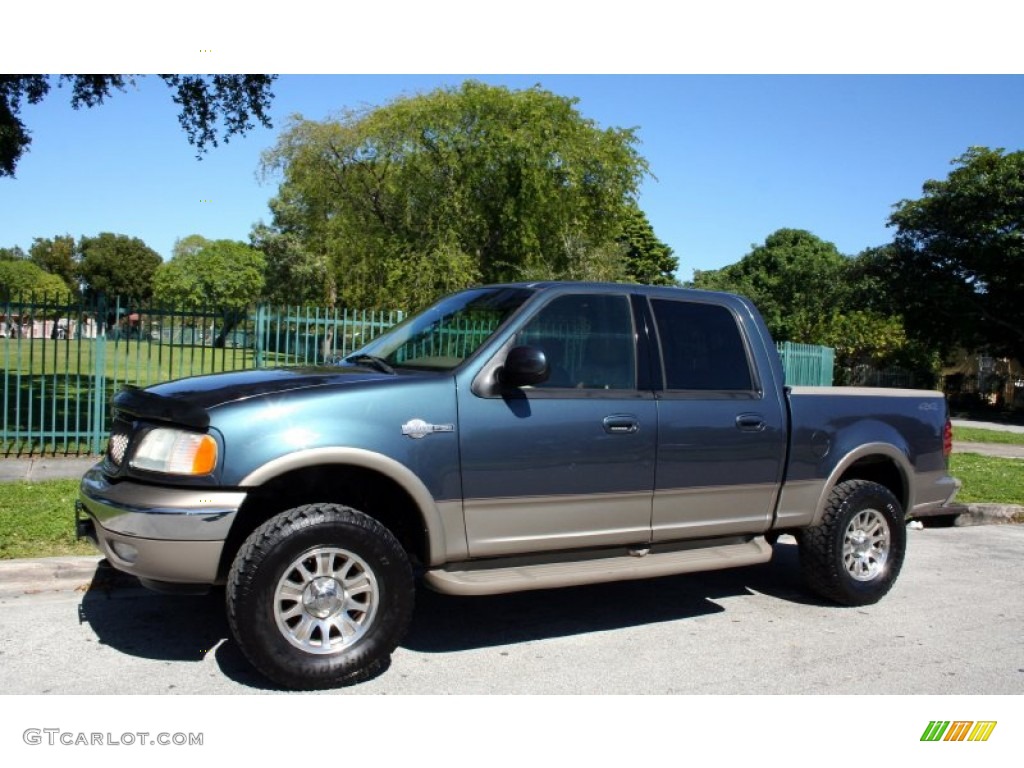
(945, 489)
(158, 534)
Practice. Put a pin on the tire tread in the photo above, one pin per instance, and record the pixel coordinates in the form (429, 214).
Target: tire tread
(821, 546)
(287, 667)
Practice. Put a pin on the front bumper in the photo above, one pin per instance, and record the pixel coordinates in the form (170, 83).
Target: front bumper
(160, 534)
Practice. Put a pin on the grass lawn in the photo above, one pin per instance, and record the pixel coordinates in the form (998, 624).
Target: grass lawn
(37, 519)
(988, 479)
(973, 435)
(134, 362)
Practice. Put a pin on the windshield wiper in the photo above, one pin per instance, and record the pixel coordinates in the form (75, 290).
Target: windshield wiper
(373, 361)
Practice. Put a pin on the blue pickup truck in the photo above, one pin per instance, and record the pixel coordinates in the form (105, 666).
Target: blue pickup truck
(510, 437)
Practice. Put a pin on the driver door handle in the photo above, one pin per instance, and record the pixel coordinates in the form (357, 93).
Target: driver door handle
(621, 424)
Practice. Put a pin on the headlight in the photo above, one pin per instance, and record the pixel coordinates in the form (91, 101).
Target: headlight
(177, 452)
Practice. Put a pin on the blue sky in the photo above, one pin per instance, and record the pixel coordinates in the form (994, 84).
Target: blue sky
(733, 158)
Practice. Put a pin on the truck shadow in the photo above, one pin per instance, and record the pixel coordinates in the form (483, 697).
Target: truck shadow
(172, 628)
(189, 628)
(445, 623)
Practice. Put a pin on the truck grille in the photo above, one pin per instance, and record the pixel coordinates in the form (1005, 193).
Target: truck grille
(118, 446)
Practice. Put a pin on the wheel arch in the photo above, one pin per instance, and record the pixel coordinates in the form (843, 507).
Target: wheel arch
(375, 484)
(882, 463)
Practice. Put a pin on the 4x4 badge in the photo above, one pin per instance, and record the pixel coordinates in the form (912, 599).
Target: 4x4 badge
(418, 428)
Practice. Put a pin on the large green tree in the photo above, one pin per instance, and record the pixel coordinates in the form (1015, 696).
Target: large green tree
(648, 259)
(957, 261)
(225, 274)
(794, 279)
(117, 265)
(213, 107)
(58, 256)
(294, 274)
(808, 292)
(433, 192)
(20, 278)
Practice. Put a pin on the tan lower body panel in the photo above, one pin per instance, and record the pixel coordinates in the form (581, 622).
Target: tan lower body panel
(178, 562)
(500, 576)
(728, 510)
(508, 526)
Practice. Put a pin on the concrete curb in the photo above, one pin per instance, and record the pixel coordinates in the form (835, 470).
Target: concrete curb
(990, 514)
(48, 573)
(51, 574)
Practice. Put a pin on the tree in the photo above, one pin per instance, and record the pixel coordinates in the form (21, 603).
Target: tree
(958, 255)
(794, 279)
(58, 256)
(433, 192)
(648, 259)
(22, 279)
(188, 246)
(118, 265)
(14, 253)
(225, 274)
(808, 292)
(294, 275)
(219, 273)
(213, 107)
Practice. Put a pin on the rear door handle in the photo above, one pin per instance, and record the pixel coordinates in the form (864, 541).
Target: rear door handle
(621, 424)
(751, 422)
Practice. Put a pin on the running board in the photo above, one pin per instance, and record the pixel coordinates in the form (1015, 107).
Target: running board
(482, 578)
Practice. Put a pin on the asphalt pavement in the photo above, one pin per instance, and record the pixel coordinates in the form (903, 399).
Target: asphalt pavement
(952, 625)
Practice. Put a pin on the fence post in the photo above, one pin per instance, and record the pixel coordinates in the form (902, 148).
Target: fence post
(260, 331)
(99, 380)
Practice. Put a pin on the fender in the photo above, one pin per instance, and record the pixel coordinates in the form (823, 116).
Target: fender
(898, 457)
(431, 513)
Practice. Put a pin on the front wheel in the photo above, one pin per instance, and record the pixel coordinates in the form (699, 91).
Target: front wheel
(855, 554)
(319, 596)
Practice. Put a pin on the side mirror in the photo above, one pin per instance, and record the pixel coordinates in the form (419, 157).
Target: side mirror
(523, 367)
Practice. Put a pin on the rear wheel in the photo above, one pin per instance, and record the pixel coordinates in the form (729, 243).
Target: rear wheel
(319, 596)
(855, 554)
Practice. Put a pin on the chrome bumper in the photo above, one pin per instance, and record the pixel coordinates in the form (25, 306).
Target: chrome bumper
(172, 535)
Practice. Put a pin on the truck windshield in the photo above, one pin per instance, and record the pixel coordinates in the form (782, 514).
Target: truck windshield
(441, 337)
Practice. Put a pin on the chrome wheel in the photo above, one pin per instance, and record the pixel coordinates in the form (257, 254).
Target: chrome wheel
(866, 545)
(326, 600)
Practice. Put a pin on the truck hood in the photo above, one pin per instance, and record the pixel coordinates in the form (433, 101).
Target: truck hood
(221, 388)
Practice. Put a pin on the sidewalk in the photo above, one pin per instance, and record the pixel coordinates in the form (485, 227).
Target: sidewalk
(993, 425)
(45, 468)
(989, 449)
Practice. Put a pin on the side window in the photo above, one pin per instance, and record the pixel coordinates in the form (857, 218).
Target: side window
(701, 347)
(588, 341)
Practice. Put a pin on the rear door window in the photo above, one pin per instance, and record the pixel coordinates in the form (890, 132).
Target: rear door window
(702, 347)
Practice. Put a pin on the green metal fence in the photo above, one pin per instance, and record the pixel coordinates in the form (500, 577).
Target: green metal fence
(62, 361)
(807, 364)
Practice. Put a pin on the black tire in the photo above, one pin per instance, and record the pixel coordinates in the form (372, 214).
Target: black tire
(854, 556)
(319, 596)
